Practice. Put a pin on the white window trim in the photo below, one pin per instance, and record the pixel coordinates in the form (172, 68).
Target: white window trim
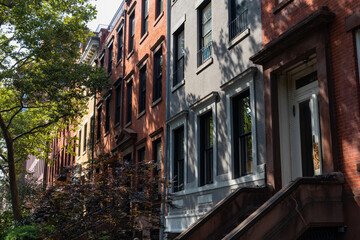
(241, 83)
(206, 104)
(357, 38)
(175, 123)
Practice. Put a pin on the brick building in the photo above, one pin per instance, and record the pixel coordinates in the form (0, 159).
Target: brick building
(310, 59)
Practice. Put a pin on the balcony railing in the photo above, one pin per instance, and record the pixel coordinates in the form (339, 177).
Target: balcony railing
(204, 53)
(238, 25)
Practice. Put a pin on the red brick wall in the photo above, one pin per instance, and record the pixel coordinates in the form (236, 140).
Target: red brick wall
(276, 21)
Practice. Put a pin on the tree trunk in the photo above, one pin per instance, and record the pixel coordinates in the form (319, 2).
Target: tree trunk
(15, 201)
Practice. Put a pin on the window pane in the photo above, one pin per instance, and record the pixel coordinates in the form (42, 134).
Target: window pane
(206, 13)
(181, 45)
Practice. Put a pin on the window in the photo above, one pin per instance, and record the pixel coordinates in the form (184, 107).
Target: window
(92, 127)
(157, 157)
(206, 149)
(129, 102)
(159, 7)
(158, 66)
(79, 147)
(102, 63)
(179, 154)
(107, 114)
(110, 61)
(238, 17)
(132, 32)
(118, 103)
(142, 94)
(357, 33)
(85, 137)
(145, 15)
(120, 44)
(243, 162)
(141, 160)
(179, 57)
(205, 34)
(99, 122)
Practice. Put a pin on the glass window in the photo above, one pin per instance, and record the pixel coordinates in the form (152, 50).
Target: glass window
(159, 7)
(120, 44)
(142, 98)
(129, 102)
(179, 57)
(107, 114)
(238, 17)
(132, 32)
(118, 103)
(206, 148)
(243, 160)
(145, 20)
(79, 147)
(179, 155)
(206, 34)
(98, 133)
(158, 66)
(110, 58)
(85, 137)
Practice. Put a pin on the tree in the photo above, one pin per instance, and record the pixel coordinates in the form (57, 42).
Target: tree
(120, 200)
(42, 87)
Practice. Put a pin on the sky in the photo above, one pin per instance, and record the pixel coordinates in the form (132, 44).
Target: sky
(106, 10)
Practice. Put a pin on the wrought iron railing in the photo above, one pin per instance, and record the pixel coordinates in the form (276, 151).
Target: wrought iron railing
(238, 25)
(204, 53)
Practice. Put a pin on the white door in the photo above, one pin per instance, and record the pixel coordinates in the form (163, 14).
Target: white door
(299, 124)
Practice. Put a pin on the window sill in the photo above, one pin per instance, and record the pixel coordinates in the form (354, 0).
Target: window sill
(130, 54)
(239, 38)
(177, 86)
(141, 114)
(120, 60)
(127, 125)
(158, 18)
(143, 37)
(204, 65)
(116, 125)
(156, 102)
(281, 5)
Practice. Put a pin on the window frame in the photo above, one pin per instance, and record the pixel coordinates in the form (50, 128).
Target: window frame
(142, 88)
(145, 17)
(236, 24)
(131, 32)
(202, 48)
(206, 166)
(129, 93)
(159, 8)
(98, 130)
(178, 185)
(107, 113)
(110, 55)
(85, 137)
(157, 86)
(117, 103)
(242, 82)
(79, 145)
(174, 123)
(120, 35)
(177, 58)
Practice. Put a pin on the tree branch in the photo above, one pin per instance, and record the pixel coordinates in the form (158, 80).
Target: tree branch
(10, 109)
(16, 113)
(38, 128)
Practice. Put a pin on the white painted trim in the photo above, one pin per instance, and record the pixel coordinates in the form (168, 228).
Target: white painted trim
(178, 24)
(175, 123)
(238, 86)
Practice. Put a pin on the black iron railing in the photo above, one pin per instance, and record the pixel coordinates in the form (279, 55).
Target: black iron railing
(238, 25)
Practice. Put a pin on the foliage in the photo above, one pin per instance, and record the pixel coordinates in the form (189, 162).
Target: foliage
(6, 220)
(42, 86)
(120, 200)
(26, 232)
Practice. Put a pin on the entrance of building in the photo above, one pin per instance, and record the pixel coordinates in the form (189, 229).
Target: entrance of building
(299, 122)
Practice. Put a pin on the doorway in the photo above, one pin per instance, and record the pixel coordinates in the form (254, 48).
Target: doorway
(300, 134)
